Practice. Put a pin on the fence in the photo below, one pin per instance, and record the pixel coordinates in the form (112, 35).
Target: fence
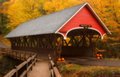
(54, 70)
(22, 69)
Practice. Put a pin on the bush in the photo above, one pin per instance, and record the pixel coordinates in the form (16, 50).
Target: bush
(73, 70)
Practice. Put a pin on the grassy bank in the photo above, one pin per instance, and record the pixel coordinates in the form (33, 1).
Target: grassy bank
(73, 70)
(6, 64)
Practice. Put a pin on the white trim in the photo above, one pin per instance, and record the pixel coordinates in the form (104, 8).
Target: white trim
(72, 29)
(82, 28)
(99, 19)
(61, 34)
(89, 6)
(70, 18)
(65, 36)
(103, 36)
(97, 31)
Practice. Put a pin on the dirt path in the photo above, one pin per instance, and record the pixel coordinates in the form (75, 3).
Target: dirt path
(94, 62)
(41, 69)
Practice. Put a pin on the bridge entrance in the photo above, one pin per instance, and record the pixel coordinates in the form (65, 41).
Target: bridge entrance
(80, 42)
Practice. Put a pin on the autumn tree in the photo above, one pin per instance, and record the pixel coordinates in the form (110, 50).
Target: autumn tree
(3, 19)
(55, 5)
(20, 11)
(109, 12)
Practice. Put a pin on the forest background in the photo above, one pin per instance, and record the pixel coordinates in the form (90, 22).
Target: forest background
(15, 12)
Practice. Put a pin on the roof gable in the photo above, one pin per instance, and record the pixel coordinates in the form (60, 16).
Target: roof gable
(51, 23)
(85, 15)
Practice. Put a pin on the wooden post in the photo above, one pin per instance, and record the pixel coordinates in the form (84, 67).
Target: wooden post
(16, 71)
(26, 70)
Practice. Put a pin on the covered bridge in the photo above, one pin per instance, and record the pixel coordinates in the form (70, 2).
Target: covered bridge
(70, 32)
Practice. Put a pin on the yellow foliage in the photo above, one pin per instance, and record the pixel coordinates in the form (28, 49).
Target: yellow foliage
(4, 41)
(22, 10)
(55, 5)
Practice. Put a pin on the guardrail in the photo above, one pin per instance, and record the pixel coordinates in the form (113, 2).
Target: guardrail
(53, 69)
(22, 69)
(17, 54)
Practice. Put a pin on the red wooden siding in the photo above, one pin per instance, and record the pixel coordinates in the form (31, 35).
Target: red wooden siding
(84, 16)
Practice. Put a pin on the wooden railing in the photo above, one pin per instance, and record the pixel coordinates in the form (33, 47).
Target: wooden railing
(53, 69)
(22, 69)
(17, 54)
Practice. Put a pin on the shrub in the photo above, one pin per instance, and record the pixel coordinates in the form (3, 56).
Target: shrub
(73, 70)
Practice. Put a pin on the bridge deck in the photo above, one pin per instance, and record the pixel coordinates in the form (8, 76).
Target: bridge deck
(41, 69)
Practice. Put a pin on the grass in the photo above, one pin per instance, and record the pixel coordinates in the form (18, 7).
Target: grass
(74, 70)
(113, 59)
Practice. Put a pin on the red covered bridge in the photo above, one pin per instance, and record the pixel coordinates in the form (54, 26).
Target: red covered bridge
(70, 32)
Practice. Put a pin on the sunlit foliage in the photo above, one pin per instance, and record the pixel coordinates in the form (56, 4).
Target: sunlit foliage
(20, 11)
